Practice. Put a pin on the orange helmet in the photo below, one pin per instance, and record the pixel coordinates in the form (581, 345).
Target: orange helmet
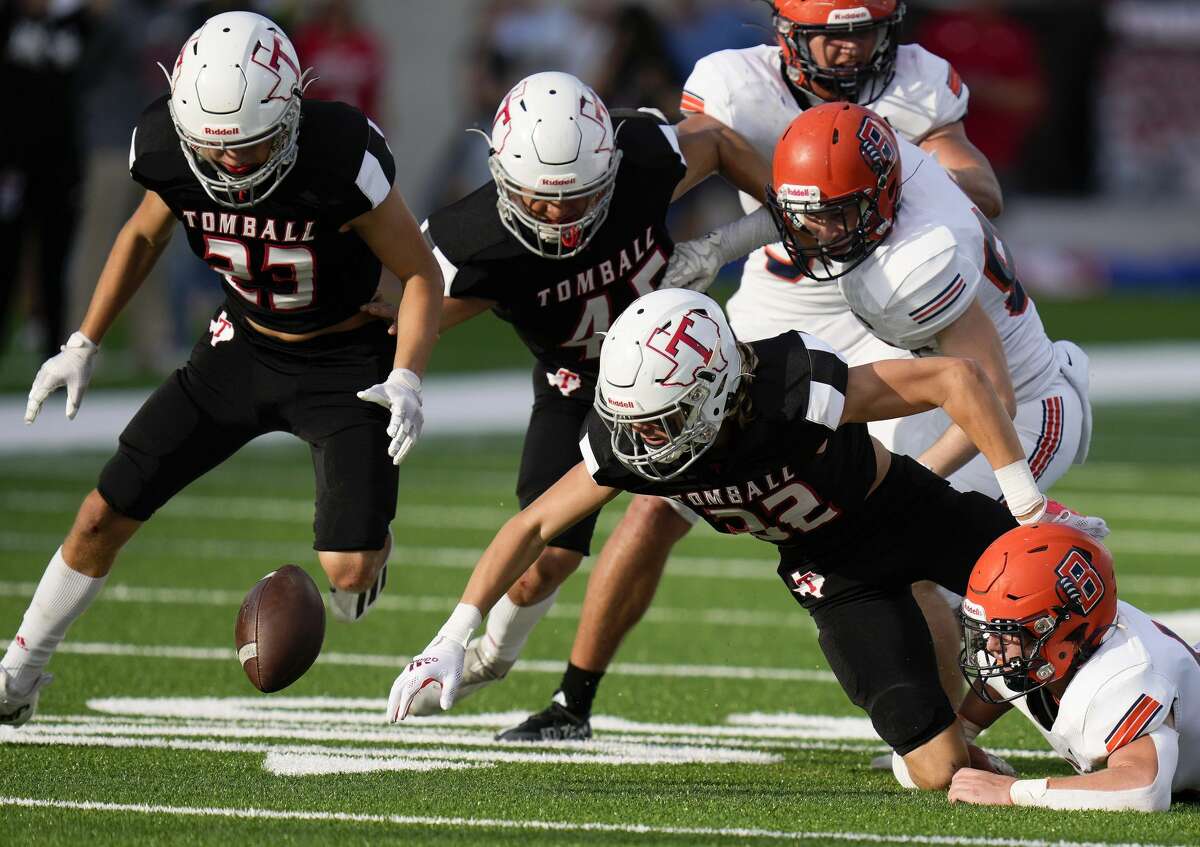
(838, 160)
(796, 21)
(1048, 590)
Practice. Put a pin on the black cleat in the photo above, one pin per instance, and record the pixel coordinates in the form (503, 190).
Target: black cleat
(554, 723)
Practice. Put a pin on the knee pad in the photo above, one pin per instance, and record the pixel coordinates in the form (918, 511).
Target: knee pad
(907, 715)
(123, 486)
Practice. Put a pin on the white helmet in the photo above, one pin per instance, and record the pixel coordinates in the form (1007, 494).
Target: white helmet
(669, 374)
(237, 82)
(552, 140)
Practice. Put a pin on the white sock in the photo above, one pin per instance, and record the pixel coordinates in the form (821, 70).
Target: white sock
(61, 597)
(509, 626)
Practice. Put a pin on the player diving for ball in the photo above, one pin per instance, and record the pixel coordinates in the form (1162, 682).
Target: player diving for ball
(769, 438)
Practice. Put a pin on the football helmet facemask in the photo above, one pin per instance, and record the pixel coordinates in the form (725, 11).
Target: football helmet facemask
(237, 83)
(839, 163)
(552, 143)
(1039, 602)
(796, 21)
(669, 375)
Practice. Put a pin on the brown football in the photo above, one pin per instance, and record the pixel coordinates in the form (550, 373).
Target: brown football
(280, 628)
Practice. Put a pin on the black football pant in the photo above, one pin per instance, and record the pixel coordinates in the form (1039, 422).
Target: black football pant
(913, 527)
(239, 384)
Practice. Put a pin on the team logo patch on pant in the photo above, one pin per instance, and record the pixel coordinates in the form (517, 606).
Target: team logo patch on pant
(221, 329)
(808, 584)
(565, 381)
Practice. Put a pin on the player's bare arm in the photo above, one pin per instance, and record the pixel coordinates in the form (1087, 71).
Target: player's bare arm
(966, 165)
(134, 252)
(455, 310)
(710, 146)
(516, 546)
(1130, 782)
(971, 336)
(393, 235)
(896, 388)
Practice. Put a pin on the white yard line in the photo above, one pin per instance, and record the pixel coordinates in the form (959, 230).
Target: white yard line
(1115, 507)
(455, 823)
(119, 593)
(498, 402)
(226, 654)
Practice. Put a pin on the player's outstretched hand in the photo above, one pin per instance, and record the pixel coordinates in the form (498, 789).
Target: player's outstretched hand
(980, 787)
(1058, 513)
(72, 367)
(400, 393)
(695, 264)
(441, 664)
(384, 311)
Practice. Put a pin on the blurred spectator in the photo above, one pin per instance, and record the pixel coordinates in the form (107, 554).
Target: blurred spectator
(41, 47)
(535, 36)
(699, 27)
(346, 59)
(121, 80)
(639, 70)
(1149, 101)
(997, 56)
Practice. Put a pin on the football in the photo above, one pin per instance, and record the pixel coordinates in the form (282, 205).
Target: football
(280, 628)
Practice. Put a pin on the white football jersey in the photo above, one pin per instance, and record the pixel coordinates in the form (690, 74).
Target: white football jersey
(745, 90)
(941, 255)
(1142, 675)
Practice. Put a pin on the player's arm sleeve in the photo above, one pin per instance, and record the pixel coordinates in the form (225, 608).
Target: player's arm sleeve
(154, 152)
(449, 269)
(605, 469)
(933, 296)
(820, 394)
(706, 91)
(376, 170)
(1130, 705)
(948, 94)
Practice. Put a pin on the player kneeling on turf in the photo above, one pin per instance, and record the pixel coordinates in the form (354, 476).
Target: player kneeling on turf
(1115, 693)
(770, 438)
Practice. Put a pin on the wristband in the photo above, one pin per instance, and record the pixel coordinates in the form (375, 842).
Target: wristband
(1028, 792)
(971, 729)
(1020, 491)
(463, 621)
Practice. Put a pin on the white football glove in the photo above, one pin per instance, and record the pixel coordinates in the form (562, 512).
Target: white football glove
(441, 663)
(1056, 512)
(400, 393)
(72, 367)
(695, 264)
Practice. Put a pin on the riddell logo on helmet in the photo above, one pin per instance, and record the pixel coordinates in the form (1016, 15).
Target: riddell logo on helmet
(620, 404)
(849, 16)
(221, 130)
(974, 610)
(799, 193)
(569, 179)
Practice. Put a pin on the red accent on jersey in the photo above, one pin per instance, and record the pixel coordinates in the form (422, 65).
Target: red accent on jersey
(954, 82)
(1140, 714)
(1051, 436)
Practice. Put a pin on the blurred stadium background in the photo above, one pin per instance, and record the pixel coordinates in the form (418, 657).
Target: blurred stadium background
(1088, 110)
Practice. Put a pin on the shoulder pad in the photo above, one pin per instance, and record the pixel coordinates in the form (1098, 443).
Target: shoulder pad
(155, 158)
(926, 93)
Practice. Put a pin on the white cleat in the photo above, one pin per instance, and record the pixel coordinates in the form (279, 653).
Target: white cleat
(479, 671)
(17, 709)
(349, 607)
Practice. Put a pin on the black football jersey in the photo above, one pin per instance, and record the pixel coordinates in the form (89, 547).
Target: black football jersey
(790, 473)
(561, 307)
(283, 262)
